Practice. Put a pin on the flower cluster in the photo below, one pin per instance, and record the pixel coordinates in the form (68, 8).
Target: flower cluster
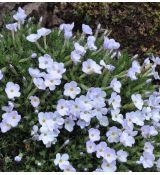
(10, 118)
(81, 97)
(63, 163)
(20, 17)
(52, 77)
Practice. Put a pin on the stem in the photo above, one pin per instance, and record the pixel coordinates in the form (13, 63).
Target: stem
(96, 52)
(64, 144)
(39, 47)
(45, 42)
(13, 38)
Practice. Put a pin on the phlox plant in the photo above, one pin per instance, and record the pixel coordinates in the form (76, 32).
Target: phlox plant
(73, 101)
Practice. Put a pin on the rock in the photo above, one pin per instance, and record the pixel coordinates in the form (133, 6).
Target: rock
(5, 8)
(34, 9)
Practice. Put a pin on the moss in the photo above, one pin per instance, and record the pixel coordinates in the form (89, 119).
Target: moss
(93, 10)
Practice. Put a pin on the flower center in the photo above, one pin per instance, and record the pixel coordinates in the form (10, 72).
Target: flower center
(60, 161)
(108, 155)
(11, 90)
(100, 150)
(35, 100)
(44, 120)
(71, 89)
(13, 117)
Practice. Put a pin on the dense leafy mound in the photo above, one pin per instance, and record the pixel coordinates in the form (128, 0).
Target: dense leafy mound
(73, 102)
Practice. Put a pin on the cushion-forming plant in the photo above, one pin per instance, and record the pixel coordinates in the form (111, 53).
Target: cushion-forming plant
(74, 102)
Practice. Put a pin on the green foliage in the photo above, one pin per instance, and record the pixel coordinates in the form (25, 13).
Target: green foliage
(35, 156)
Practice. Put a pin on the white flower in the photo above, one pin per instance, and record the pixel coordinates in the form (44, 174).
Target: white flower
(1, 75)
(34, 101)
(12, 27)
(51, 82)
(42, 118)
(39, 82)
(62, 107)
(146, 112)
(156, 60)
(113, 134)
(82, 124)
(94, 134)
(91, 146)
(43, 31)
(86, 116)
(148, 147)
(154, 100)
(116, 116)
(18, 158)
(126, 139)
(90, 67)
(116, 85)
(12, 90)
(67, 28)
(137, 118)
(8, 108)
(61, 160)
(35, 73)
(74, 107)
(69, 124)
(91, 43)
(110, 44)
(136, 68)
(122, 156)
(33, 37)
(71, 89)
(103, 121)
(109, 167)
(45, 61)
(67, 34)
(47, 136)
(129, 120)
(20, 16)
(148, 131)
(100, 149)
(84, 103)
(109, 67)
(75, 57)
(147, 160)
(5, 127)
(68, 168)
(155, 115)
(115, 100)
(79, 49)
(137, 100)
(86, 29)
(56, 70)
(34, 55)
(109, 155)
(11, 118)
